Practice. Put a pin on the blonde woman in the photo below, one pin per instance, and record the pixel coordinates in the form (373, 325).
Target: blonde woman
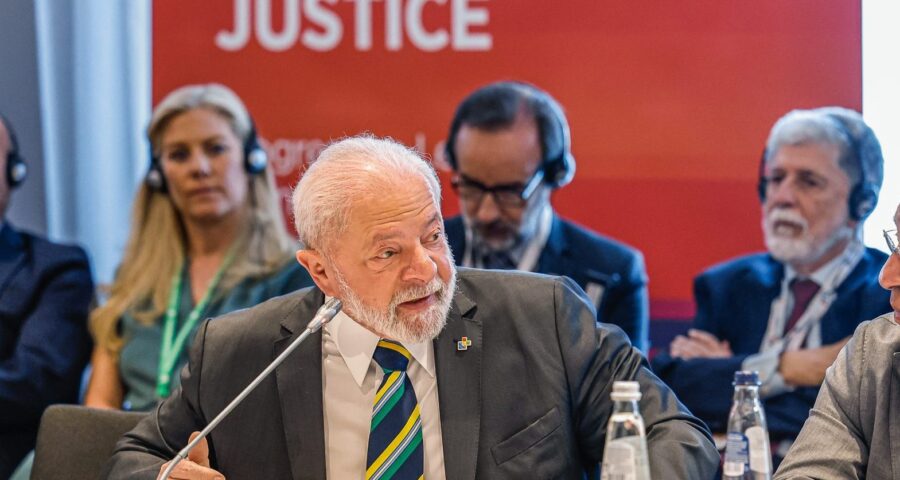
(207, 237)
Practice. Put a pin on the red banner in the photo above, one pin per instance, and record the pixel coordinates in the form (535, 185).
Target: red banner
(669, 102)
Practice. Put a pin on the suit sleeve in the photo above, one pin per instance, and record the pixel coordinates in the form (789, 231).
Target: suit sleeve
(141, 452)
(679, 445)
(53, 345)
(628, 305)
(703, 384)
(832, 443)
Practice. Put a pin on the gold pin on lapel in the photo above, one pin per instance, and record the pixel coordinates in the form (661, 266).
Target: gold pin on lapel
(463, 344)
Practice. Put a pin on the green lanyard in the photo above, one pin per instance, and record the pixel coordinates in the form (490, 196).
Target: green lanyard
(171, 345)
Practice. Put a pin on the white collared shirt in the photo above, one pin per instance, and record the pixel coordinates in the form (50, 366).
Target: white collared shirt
(350, 379)
(828, 277)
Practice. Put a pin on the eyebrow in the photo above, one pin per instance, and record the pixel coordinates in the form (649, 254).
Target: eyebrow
(392, 234)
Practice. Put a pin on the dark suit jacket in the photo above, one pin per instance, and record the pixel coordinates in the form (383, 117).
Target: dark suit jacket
(528, 399)
(589, 258)
(45, 291)
(733, 303)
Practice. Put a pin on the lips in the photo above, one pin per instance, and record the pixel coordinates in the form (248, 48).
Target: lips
(786, 228)
(203, 191)
(419, 303)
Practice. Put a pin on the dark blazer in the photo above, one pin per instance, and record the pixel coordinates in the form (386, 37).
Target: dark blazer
(733, 302)
(45, 292)
(528, 399)
(589, 258)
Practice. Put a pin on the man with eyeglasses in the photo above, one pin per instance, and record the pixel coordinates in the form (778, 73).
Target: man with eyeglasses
(788, 312)
(509, 148)
(852, 431)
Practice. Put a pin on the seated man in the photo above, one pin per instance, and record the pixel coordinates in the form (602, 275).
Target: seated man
(45, 292)
(787, 313)
(488, 374)
(509, 148)
(852, 432)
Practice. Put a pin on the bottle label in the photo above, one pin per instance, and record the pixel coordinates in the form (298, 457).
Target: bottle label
(760, 456)
(736, 455)
(624, 459)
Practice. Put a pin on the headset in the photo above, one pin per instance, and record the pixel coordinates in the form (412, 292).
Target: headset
(255, 161)
(558, 166)
(863, 196)
(16, 169)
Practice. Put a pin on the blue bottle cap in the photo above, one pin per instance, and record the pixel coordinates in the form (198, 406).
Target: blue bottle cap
(746, 378)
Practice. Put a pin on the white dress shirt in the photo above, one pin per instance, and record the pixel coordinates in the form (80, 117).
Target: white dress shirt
(350, 379)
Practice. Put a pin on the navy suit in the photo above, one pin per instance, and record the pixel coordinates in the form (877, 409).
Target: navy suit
(733, 303)
(592, 260)
(45, 292)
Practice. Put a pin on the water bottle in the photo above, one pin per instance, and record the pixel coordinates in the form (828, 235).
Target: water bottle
(625, 455)
(747, 454)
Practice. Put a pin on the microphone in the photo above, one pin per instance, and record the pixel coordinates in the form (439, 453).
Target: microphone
(326, 312)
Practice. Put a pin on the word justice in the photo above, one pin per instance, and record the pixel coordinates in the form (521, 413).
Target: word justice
(403, 19)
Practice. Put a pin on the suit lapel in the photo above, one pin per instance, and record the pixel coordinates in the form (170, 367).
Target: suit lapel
(459, 388)
(12, 255)
(299, 382)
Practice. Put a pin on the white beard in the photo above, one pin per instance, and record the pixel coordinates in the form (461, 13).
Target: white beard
(802, 249)
(406, 328)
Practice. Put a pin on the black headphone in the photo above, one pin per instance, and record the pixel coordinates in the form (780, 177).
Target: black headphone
(255, 161)
(558, 166)
(16, 169)
(864, 195)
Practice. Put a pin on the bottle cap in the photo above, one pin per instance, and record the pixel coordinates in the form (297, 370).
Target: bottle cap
(626, 391)
(746, 378)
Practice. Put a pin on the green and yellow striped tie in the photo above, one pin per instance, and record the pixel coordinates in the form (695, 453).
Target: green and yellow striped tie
(395, 438)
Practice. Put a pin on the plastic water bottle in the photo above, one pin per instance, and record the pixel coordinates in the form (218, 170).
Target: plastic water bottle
(625, 455)
(747, 454)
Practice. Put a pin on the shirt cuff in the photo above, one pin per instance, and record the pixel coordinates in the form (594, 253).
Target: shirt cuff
(766, 363)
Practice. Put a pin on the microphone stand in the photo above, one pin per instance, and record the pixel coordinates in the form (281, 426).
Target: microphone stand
(324, 315)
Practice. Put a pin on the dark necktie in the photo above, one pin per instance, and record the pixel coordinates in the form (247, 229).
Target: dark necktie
(395, 438)
(498, 260)
(803, 291)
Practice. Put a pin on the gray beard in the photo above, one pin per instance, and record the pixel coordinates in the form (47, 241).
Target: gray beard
(405, 328)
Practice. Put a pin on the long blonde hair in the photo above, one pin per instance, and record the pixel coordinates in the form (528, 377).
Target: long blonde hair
(157, 241)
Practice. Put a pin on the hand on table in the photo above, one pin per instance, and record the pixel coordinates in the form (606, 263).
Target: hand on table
(699, 344)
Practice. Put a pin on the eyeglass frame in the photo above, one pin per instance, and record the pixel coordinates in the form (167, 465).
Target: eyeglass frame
(524, 192)
(893, 247)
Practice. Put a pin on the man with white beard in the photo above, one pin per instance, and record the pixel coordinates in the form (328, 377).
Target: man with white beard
(787, 313)
(484, 374)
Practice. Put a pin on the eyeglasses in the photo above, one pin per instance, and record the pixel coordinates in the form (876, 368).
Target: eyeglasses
(508, 195)
(889, 236)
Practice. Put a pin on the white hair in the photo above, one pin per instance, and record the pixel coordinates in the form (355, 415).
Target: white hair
(347, 170)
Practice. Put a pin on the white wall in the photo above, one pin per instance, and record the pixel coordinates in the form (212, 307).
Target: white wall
(881, 105)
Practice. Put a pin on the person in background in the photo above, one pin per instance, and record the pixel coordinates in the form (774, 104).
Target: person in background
(45, 293)
(788, 312)
(852, 431)
(509, 147)
(425, 371)
(207, 237)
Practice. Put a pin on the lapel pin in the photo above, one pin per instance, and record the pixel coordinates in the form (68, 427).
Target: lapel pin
(463, 344)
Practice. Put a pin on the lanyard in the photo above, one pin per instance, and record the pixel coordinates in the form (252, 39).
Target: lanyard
(172, 345)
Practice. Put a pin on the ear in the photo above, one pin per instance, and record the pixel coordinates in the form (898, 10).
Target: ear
(319, 270)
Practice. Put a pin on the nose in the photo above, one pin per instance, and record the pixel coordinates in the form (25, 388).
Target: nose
(488, 210)
(422, 268)
(200, 164)
(889, 278)
(781, 194)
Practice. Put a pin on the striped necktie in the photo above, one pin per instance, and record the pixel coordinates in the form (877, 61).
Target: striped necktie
(395, 438)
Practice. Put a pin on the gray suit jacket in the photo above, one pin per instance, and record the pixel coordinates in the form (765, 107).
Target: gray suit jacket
(853, 432)
(528, 399)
